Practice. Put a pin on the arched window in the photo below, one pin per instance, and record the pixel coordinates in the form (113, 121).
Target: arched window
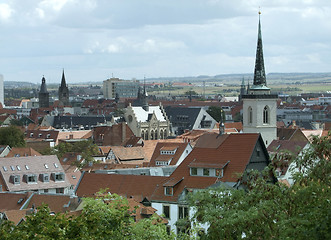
(161, 134)
(250, 115)
(266, 117)
(156, 137)
(152, 135)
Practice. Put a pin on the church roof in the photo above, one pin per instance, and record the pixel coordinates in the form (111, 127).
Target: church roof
(43, 88)
(142, 114)
(259, 73)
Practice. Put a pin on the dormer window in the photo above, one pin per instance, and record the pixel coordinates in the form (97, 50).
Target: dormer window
(12, 168)
(18, 168)
(58, 177)
(31, 178)
(31, 134)
(168, 191)
(48, 135)
(194, 171)
(39, 135)
(206, 172)
(45, 177)
(16, 179)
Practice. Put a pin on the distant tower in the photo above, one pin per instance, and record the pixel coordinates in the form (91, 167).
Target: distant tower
(64, 92)
(145, 98)
(259, 106)
(243, 89)
(43, 94)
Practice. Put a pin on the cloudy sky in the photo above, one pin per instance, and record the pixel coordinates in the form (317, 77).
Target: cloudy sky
(96, 39)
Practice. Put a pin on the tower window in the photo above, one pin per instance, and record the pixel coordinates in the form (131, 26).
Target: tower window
(250, 115)
(266, 115)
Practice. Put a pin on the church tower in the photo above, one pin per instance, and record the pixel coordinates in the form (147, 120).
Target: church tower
(63, 92)
(43, 94)
(259, 105)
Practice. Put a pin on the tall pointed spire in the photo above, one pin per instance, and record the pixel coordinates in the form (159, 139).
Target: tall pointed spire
(43, 87)
(259, 73)
(63, 81)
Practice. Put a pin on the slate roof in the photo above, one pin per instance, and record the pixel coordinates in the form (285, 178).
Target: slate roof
(32, 165)
(280, 145)
(175, 116)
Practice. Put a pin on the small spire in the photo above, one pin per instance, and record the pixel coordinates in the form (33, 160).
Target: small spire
(259, 73)
(63, 81)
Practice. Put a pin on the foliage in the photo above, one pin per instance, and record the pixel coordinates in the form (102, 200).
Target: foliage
(107, 217)
(216, 112)
(86, 149)
(11, 136)
(191, 93)
(273, 211)
(16, 122)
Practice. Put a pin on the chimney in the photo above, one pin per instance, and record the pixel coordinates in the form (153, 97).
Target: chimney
(123, 132)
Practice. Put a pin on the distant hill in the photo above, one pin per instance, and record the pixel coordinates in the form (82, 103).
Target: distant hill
(231, 79)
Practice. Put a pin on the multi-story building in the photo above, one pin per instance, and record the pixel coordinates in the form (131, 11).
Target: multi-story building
(115, 87)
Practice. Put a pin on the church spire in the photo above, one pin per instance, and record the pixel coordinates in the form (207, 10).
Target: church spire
(259, 73)
(63, 81)
(43, 88)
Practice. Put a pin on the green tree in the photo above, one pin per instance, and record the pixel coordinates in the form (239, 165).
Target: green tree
(11, 136)
(191, 92)
(107, 217)
(216, 112)
(273, 211)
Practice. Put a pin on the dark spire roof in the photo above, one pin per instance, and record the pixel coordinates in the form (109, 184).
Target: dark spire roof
(259, 73)
(43, 88)
(63, 81)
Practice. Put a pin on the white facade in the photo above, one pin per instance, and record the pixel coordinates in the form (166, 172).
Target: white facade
(259, 116)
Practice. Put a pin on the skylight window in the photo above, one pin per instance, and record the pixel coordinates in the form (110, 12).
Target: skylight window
(5, 169)
(46, 166)
(56, 166)
(12, 168)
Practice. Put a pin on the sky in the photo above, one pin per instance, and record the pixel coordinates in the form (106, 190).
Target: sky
(93, 40)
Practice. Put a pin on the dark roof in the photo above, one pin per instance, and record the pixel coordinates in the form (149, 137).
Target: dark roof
(182, 115)
(12, 201)
(43, 88)
(293, 146)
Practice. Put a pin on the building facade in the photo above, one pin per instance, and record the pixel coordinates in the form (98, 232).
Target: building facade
(115, 87)
(259, 105)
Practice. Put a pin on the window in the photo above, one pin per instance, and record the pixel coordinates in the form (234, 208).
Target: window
(258, 152)
(27, 167)
(12, 168)
(45, 177)
(31, 178)
(5, 169)
(250, 115)
(56, 166)
(166, 211)
(45, 190)
(266, 115)
(205, 172)
(183, 212)
(58, 177)
(18, 168)
(60, 190)
(168, 191)
(16, 179)
(46, 166)
(194, 171)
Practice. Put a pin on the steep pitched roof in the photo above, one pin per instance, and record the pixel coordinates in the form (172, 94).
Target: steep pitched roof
(57, 203)
(164, 146)
(22, 152)
(12, 201)
(293, 146)
(31, 166)
(142, 115)
(16, 216)
(128, 153)
(127, 185)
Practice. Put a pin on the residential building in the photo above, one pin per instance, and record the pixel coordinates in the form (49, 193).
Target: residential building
(183, 118)
(215, 160)
(42, 174)
(121, 88)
